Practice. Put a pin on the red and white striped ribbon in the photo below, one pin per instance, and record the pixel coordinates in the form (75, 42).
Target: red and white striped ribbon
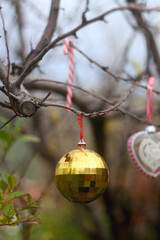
(68, 49)
(151, 81)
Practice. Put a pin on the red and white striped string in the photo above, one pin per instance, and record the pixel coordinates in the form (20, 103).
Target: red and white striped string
(68, 49)
(151, 81)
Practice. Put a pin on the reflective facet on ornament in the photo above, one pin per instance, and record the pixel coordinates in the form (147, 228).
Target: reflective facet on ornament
(81, 175)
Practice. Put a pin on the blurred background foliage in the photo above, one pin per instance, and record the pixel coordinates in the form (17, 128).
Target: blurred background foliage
(131, 201)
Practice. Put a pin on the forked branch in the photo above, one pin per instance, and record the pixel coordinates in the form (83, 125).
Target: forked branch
(32, 64)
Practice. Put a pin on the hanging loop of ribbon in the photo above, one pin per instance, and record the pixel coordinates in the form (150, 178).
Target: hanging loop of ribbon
(68, 49)
(151, 81)
(80, 120)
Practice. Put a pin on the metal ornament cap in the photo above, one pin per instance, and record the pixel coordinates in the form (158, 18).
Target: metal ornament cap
(81, 175)
(151, 129)
(81, 144)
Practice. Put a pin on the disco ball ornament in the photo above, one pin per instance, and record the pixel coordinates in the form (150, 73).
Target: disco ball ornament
(81, 175)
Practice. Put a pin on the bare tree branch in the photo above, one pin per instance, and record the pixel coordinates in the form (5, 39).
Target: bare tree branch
(149, 37)
(31, 64)
(46, 97)
(48, 33)
(3, 73)
(106, 69)
(96, 114)
(7, 84)
(84, 13)
(42, 84)
(49, 46)
(20, 21)
(7, 50)
(116, 106)
(5, 105)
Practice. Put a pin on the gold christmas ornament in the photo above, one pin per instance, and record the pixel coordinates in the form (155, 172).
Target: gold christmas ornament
(81, 175)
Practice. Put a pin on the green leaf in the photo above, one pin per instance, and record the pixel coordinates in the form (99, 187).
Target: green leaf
(28, 138)
(5, 177)
(31, 206)
(7, 180)
(4, 220)
(1, 205)
(4, 136)
(1, 218)
(11, 182)
(8, 210)
(19, 194)
(3, 185)
(1, 196)
(18, 216)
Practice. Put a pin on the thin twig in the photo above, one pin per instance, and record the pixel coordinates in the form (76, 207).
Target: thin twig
(60, 106)
(123, 111)
(31, 85)
(7, 50)
(3, 73)
(106, 69)
(48, 32)
(149, 36)
(8, 68)
(2, 89)
(20, 21)
(98, 113)
(46, 189)
(32, 64)
(84, 13)
(5, 105)
(104, 99)
(121, 101)
(45, 98)
(8, 121)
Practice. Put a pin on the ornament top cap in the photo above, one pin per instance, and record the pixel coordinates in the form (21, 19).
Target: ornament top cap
(151, 129)
(81, 143)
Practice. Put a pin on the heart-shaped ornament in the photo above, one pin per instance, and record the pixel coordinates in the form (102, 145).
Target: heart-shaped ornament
(144, 151)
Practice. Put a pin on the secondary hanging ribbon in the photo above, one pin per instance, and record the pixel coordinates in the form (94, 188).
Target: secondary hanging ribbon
(80, 120)
(68, 49)
(151, 81)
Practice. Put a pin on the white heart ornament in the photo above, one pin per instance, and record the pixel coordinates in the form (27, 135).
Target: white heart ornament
(144, 151)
